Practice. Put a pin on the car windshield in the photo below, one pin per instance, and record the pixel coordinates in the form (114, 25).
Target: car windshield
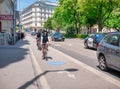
(57, 34)
(100, 36)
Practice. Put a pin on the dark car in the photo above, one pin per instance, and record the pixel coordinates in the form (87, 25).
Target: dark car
(108, 52)
(57, 36)
(93, 40)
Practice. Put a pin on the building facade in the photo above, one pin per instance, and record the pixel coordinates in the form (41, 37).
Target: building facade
(36, 14)
(6, 20)
(6, 8)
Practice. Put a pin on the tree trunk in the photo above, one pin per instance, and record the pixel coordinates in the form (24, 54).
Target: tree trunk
(100, 24)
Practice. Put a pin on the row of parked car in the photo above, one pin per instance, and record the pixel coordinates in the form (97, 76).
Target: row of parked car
(108, 49)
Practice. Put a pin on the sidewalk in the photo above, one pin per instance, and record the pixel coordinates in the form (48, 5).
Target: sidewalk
(16, 68)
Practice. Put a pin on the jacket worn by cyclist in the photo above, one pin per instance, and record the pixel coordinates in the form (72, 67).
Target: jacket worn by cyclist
(39, 34)
(45, 38)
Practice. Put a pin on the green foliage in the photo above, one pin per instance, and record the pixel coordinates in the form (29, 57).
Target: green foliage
(70, 31)
(23, 28)
(67, 13)
(114, 20)
(82, 36)
(86, 13)
(17, 29)
(48, 23)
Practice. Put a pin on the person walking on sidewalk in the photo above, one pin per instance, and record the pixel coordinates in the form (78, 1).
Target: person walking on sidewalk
(45, 41)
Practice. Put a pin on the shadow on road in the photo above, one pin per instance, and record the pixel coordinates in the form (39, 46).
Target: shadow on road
(11, 54)
(47, 58)
(112, 72)
(91, 49)
(44, 73)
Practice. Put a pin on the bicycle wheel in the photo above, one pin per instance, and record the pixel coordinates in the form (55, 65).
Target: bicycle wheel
(45, 53)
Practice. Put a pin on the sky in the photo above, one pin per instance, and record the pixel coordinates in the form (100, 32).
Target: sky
(21, 4)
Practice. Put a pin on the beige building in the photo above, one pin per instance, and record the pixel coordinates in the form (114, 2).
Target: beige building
(6, 8)
(6, 20)
(36, 14)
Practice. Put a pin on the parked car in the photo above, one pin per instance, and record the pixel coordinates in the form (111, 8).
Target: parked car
(108, 52)
(93, 40)
(33, 33)
(57, 36)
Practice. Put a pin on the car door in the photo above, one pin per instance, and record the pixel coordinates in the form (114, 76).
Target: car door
(118, 52)
(113, 50)
(90, 41)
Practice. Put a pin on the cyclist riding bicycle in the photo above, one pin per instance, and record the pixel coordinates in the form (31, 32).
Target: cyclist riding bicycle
(45, 41)
(38, 38)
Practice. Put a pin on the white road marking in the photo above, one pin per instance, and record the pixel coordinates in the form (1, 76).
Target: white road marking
(68, 74)
(99, 73)
(42, 79)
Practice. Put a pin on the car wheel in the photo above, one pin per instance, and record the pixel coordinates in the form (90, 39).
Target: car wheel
(85, 44)
(102, 63)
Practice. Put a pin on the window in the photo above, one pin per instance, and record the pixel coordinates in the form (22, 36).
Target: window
(99, 37)
(38, 9)
(113, 40)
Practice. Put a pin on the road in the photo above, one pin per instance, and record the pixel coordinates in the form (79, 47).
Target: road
(61, 73)
(75, 48)
(68, 66)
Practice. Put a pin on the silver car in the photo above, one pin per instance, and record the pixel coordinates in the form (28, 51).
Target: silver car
(108, 52)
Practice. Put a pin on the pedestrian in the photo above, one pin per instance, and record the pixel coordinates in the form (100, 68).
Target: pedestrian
(38, 38)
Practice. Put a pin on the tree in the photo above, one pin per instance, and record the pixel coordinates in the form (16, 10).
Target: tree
(66, 13)
(97, 11)
(80, 13)
(88, 13)
(114, 20)
(48, 23)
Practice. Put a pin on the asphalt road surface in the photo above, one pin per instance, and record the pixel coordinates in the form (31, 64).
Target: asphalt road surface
(55, 67)
(75, 48)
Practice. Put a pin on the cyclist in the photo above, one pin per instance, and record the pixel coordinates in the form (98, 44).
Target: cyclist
(38, 38)
(45, 41)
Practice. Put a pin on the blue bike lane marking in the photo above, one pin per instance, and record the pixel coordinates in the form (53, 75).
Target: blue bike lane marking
(56, 63)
